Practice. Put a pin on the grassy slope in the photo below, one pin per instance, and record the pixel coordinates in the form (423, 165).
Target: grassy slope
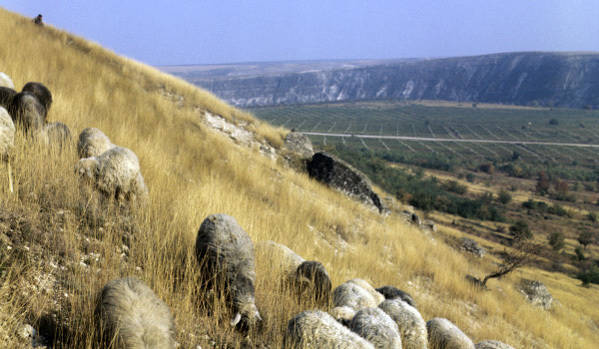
(192, 172)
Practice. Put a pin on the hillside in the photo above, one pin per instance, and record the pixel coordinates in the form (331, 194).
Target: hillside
(523, 78)
(57, 250)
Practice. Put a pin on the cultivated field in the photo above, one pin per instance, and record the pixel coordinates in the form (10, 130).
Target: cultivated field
(444, 121)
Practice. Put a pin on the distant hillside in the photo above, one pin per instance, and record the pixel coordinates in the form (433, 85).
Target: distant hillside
(524, 78)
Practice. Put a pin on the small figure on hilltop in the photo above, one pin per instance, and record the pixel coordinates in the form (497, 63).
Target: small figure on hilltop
(38, 20)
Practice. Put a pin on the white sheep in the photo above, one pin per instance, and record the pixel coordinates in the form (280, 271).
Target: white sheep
(442, 334)
(376, 327)
(411, 324)
(55, 134)
(356, 294)
(7, 141)
(317, 329)
(343, 314)
(92, 142)
(133, 317)
(114, 172)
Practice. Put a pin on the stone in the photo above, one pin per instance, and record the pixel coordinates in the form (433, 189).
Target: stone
(537, 293)
(336, 173)
(300, 144)
(472, 247)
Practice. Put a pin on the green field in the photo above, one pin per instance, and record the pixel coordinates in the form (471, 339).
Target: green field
(453, 122)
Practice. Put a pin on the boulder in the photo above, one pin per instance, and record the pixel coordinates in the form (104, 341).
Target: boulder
(300, 144)
(536, 292)
(338, 174)
(472, 246)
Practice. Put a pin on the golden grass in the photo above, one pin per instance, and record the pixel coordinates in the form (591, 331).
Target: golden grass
(193, 172)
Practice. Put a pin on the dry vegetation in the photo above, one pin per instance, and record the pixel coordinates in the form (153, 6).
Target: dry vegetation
(56, 252)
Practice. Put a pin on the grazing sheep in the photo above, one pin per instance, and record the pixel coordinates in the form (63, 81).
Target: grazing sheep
(411, 324)
(489, 344)
(92, 142)
(317, 329)
(6, 81)
(280, 256)
(365, 285)
(391, 292)
(308, 278)
(133, 317)
(6, 96)
(27, 111)
(442, 334)
(226, 256)
(41, 92)
(343, 314)
(376, 327)
(7, 134)
(312, 279)
(351, 294)
(115, 172)
(7, 141)
(56, 134)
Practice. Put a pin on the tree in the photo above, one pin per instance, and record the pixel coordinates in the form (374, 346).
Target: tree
(543, 183)
(586, 238)
(521, 254)
(556, 241)
(520, 231)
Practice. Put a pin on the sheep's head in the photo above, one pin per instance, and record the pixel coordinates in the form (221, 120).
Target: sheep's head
(87, 168)
(247, 317)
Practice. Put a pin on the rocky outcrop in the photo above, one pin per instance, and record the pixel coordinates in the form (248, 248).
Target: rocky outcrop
(524, 78)
(472, 247)
(537, 293)
(338, 174)
(298, 143)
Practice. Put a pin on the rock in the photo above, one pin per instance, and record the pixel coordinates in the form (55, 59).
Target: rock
(536, 292)
(488, 344)
(338, 174)
(415, 219)
(298, 143)
(27, 332)
(473, 247)
(430, 225)
(6, 81)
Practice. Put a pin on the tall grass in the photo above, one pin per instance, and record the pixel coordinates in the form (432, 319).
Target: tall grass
(65, 245)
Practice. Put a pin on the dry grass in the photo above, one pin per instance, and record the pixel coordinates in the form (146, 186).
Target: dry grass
(56, 230)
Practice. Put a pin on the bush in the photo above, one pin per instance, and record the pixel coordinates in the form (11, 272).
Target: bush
(586, 238)
(520, 230)
(504, 197)
(553, 122)
(556, 241)
(579, 254)
(455, 187)
(589, 276)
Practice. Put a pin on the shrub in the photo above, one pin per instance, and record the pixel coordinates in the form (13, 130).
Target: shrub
(504, 197)
(586, 238)
(556, 241)
(520, 230)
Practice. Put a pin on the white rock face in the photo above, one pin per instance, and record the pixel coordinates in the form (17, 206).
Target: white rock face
(6, 81)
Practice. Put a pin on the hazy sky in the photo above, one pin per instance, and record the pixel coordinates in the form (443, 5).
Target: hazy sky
(222, 31)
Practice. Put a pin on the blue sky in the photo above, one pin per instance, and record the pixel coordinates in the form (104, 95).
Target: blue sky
(225, 31)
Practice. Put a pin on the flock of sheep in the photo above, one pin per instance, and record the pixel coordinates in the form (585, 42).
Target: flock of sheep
(132, 316)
